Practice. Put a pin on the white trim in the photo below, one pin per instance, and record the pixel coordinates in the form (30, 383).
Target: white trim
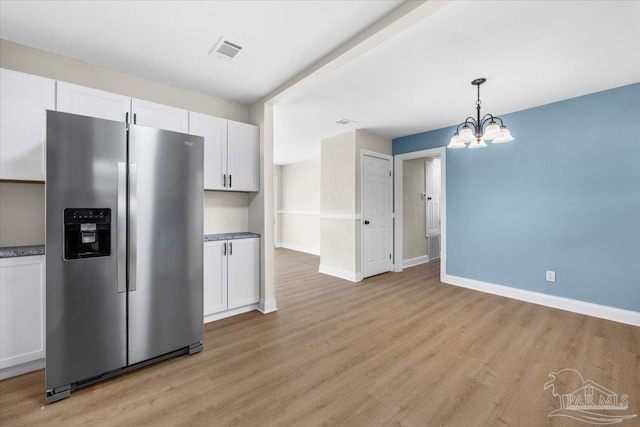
(277, 245)
(299, 212)
(415, 261)
(267, 306)
(228, 313)
(300, 249)
(23, 368)
(350, 217)
(389, 158)
(342, 274)
(398, 196)
(562, 303)
(276, 227)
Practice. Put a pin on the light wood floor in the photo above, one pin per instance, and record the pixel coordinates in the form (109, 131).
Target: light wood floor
(395, 349)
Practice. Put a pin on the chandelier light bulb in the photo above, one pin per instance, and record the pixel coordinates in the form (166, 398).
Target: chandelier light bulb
(478, 143)
(456, 143)
(505, 136)
(492, 131)
(466, 135)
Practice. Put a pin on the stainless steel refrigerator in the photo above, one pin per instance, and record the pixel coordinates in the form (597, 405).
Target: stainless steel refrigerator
(124, 247)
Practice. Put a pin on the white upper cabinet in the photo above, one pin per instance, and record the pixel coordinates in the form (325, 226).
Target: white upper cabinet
(243, 157)
(90, 102)
(24, 99)
(231, 153)
(150, 114)
(214, 131)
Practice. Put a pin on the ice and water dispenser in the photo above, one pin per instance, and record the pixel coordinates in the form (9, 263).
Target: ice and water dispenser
(87, 233)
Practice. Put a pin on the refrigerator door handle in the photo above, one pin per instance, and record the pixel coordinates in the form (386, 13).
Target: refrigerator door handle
(133, 224)
(122, 227)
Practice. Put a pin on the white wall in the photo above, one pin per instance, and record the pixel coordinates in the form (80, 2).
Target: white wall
(21, 214)
(340, 222)
(300, 207)
(338, 204)
(225, 212)
(222, 211)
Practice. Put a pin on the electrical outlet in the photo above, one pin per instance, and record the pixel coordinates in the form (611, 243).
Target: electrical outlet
(551, 276)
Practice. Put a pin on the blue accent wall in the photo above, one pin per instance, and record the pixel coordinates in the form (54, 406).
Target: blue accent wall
(564, 196)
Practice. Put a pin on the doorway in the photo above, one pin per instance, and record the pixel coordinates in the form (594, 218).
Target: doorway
(432, 202)
(399, 161)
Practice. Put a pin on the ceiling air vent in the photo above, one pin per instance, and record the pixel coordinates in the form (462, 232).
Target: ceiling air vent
(345, 121)
(225, 49)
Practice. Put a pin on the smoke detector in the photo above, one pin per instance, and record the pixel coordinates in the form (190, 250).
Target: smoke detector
(225, 49)
(345, 121)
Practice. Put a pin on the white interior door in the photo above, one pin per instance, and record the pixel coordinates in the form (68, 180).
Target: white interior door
(432, 186)
(377, 220)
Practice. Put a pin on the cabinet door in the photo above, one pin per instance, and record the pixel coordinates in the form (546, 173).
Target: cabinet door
(159, 116)
(215, 277)
(21, 310)
(243, 156)
(24, 99)
(86, 101)
(244, 272)
(214, 131)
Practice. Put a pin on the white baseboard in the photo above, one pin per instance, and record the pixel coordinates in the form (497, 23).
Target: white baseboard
(277, 245)
(415, 261)
(342, 274)
(267, 306)
(562, 303)
(300, 249)
(228, 313)
(23, 368)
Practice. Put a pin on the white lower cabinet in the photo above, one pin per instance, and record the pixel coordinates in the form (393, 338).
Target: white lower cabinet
(22, 315)
(215, 277)
(231, 275)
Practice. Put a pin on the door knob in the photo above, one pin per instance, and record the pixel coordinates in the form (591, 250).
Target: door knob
(366, 222)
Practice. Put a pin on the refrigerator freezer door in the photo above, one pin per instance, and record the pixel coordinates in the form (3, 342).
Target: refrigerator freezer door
(166, 241)
(86, 316)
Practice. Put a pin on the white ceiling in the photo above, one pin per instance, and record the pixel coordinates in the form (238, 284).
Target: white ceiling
(170, 41)
(532, 53)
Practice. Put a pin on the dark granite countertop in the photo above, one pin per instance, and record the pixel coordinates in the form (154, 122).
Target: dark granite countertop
(17, 251)
(230, 236)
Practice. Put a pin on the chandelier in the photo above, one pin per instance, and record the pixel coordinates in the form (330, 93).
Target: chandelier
(483, 129)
